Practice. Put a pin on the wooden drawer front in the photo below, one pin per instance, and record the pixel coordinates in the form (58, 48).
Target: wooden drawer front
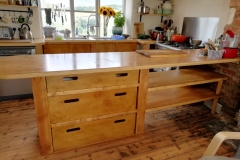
(91, 80)
(126, 47)
(103, 47)
(85, 133)
(91, 104)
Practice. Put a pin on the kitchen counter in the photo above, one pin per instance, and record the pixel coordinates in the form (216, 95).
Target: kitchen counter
(51, 40)
(108, 93)
(22, 42)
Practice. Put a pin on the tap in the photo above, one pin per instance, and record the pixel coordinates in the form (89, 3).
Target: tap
(96, 25)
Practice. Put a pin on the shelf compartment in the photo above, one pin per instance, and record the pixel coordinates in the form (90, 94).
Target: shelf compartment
(168, 98)
(181, 78)
(151, 14)
(18, 6)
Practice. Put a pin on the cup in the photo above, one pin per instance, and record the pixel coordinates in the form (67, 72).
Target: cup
(20, 19)
(5, 19)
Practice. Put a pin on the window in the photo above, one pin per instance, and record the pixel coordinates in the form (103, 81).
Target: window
(76, 14)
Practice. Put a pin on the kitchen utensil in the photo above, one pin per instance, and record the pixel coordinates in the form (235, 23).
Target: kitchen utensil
(62, 13)
(195, 42)
(230, 52)
(126, 35)
(162, 53)
(64, 10)
(179, 38)
(20, 19)
(25, 32)
(154, 33)
(143, 9)
(4, 18)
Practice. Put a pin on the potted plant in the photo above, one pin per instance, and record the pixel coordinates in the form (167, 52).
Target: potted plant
(119, 20)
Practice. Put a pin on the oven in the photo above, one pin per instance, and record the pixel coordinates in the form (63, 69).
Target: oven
(14, 89)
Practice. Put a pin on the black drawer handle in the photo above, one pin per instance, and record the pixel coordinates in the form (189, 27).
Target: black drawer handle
(121, 74)
(73, 129)
(71, 100)
(120, 121)
(70, 78)
(120, 94)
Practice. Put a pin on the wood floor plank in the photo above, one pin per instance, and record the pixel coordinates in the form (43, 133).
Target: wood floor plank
(174, 134)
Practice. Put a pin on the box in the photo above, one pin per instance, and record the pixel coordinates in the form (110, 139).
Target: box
(213, 54)
(209, 104)
(230, 52)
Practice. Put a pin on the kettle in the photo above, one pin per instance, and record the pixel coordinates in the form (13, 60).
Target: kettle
(25, 32)
(143, 9)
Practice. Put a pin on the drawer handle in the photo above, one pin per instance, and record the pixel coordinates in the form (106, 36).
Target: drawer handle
(120, 121)
(73, 129)
(70, 78)
(120, 94)
(121, 74)
(71, 100)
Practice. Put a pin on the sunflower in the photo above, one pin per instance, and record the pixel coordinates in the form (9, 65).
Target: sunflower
(111, 12)
(105, 12)
(100, 10)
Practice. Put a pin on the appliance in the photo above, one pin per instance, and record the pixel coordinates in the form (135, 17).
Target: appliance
(176, 45)
(202, 28)
(25, 33)
(16, 88)
(143, 9)
(6, 32)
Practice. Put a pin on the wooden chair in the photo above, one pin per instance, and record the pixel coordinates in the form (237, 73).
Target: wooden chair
(216, 142)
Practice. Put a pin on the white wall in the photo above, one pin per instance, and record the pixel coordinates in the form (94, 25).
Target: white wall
(35, 26)
(201, 8)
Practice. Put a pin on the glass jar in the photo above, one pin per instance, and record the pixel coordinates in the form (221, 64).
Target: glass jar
(167, 5)
(12, 2)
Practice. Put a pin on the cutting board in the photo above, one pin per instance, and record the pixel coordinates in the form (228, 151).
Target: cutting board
(162, 53)
(138, 29)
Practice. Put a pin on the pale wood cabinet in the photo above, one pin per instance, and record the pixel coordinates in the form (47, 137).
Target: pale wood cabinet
(126, 47)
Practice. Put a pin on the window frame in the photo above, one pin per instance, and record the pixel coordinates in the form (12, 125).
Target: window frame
(72, 15)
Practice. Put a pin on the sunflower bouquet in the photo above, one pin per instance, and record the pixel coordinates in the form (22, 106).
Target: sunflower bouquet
(107, 13)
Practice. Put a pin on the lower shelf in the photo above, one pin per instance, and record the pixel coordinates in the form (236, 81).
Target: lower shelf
(163, 99)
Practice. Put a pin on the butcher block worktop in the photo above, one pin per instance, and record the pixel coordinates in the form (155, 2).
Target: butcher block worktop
(59, 64)
(108, 92)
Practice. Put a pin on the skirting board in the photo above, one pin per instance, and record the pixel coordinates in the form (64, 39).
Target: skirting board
(209, 105)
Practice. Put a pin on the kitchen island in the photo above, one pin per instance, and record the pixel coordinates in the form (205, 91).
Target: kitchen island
(87, 98)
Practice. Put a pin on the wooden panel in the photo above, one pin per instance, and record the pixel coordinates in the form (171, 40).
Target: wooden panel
(3, 1)
(93, 80)
(141, 103)
(67, 48)
(182, 77)
(39, 49)
(103, 47)
(167, 98)
(41, 107)
(126, 47)
(61, 64)
(85, 133)
(92, 104)
(138, 29)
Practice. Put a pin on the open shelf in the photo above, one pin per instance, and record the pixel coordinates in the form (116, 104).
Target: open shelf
(182, 77)
(154, 14)
(163, 99)
(18, 6)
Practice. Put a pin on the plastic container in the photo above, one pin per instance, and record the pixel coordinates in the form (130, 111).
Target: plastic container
(117, 37)
(167, 5)
(167, 11)
(230, 52)
(213, 54)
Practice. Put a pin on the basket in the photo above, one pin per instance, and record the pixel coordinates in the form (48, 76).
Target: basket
(213, 54)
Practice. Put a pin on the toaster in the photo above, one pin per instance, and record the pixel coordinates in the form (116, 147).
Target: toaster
(6, 32)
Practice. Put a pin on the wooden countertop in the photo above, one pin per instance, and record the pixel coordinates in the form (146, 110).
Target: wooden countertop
(65, 64)
(35, 42)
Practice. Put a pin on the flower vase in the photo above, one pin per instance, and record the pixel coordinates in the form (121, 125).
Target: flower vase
(105, 25)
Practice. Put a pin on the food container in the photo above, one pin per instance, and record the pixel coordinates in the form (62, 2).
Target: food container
(179, 38)
(230, 52)
(167, 11)
(213, 54)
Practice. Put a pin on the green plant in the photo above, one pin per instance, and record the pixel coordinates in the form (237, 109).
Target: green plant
(119, 19)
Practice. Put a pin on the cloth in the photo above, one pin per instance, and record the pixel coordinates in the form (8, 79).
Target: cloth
(48, 12)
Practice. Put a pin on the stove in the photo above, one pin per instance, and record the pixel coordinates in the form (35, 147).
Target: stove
(176, 46)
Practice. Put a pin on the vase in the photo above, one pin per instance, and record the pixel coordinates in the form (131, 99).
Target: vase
(117, 30)
(105, 25)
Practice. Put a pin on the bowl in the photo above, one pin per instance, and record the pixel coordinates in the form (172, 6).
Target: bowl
(125, 35)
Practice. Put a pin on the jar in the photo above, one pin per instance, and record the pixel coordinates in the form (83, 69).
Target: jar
(18, 2)
(12, 2)
(167, 5)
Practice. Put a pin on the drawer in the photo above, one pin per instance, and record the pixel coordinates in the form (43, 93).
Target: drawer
(91, 80)
(85, 105)
(86, 133)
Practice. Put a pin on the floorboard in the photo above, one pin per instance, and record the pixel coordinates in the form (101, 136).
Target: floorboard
(175, 134)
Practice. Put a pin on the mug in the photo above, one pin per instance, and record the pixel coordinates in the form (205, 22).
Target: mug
(5, 19)
(20, 19)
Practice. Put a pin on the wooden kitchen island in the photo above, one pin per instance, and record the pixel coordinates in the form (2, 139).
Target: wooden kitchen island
(87, 98)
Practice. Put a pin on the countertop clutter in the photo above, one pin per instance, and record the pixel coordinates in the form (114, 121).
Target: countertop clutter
(123, 82)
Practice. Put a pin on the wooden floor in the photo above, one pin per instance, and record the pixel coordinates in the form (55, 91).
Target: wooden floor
(175, 134)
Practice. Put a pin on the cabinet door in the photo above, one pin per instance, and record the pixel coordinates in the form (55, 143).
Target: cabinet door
(103, 47)
(67, 48)
(126, 47)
